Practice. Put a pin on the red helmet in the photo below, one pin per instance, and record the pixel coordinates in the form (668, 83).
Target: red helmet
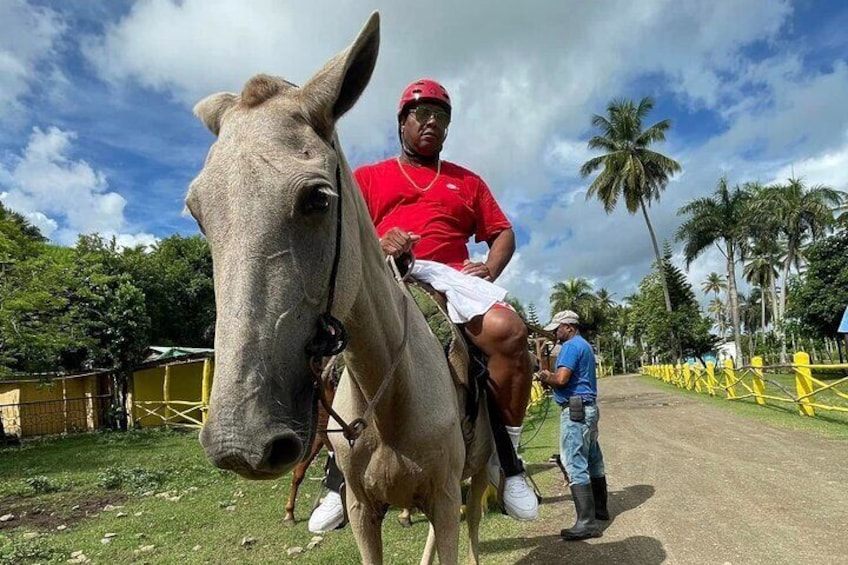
(421, 90)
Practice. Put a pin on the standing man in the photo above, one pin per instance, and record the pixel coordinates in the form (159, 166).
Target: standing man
(418, 200)
(575, 389)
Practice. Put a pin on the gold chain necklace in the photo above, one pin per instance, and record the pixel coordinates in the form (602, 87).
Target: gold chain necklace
(412, 182)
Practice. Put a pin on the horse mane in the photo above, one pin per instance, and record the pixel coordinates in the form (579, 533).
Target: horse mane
(263, 87)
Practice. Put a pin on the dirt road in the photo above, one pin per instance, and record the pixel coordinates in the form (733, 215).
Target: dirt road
(693, 483)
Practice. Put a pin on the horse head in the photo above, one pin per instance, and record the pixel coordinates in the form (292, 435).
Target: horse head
(267, 200)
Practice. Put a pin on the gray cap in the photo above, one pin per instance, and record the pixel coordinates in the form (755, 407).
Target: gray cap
(564, 317)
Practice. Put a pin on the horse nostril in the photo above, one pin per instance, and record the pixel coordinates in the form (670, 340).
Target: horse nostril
(283, 451)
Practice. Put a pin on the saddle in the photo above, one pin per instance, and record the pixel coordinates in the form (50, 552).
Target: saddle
(466, 362)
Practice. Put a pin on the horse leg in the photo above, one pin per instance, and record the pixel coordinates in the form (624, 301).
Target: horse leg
(444, 513)
(299, 474)
(297, 477)
(474, 511)
(366, 523)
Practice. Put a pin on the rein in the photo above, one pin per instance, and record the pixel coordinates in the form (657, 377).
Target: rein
(331, 339)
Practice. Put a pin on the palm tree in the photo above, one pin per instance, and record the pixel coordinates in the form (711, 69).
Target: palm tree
(761, 271)
(630, 168)
(573, 294)
(718, 310)
(720, 220)
(801, 214)
(714, 283)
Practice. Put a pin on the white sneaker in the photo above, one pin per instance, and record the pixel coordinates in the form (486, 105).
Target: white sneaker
(328, 516)
(519, 500)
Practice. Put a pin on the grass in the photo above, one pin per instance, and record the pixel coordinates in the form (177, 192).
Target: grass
(831, 424)
(176, 508)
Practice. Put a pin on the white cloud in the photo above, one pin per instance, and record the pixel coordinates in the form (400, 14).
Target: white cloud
(828, 168)
(28, 35)
(63, 196)
(525, 79)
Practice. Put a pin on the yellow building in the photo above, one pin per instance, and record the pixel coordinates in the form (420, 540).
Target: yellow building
(171, 389)
(52, 404)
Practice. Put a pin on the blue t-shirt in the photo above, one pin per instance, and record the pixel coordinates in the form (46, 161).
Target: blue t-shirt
(577, 355)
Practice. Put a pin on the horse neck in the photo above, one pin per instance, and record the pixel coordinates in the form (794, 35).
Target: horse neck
(377, 323)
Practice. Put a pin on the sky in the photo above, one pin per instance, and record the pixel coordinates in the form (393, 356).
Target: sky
(97, 134)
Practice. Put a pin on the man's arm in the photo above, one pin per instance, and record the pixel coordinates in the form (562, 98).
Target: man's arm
(558, 379)
(501, 248)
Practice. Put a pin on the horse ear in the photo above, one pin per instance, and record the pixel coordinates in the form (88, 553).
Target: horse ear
(337, 86)
(211, 109)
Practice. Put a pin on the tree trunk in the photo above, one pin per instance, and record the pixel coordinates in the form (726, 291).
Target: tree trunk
(666, 294)
(623, 360)
(773, 291)
(784, 285)
(762, 311)
(733, 301)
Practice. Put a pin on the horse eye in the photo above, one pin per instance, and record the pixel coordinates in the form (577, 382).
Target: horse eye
(316, 200)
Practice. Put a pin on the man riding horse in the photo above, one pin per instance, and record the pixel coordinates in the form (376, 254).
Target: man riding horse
(424, 205)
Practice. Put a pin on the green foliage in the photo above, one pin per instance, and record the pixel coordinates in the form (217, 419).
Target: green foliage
(66, 309)
(659, 328)
(176, 279)
(819, 299)
(27, 551)
(137, 479)
(41, 484)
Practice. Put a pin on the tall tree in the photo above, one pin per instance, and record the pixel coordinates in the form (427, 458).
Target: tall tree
(720, 220)
(761, 271)
(714, 283)
(690, 328)
(803, 214)
(820, 297)
(630, 169)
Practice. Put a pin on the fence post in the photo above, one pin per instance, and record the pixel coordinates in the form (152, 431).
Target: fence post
(757, 379)
(711, 378)
(730, 379)
(205, 388)
(687, 376)
(166, 394)
(697, 378)
(803, 383)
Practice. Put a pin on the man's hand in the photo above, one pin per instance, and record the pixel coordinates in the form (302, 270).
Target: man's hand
(396, 242)
(476, 270)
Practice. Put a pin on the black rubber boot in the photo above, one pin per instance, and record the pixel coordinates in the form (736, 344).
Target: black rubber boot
(333, 478)
(599, 493)
(585, 526)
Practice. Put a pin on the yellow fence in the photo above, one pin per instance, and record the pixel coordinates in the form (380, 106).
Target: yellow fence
(765, 384)
(174, 394)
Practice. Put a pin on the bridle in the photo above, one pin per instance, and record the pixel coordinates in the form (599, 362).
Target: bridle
(331, 338)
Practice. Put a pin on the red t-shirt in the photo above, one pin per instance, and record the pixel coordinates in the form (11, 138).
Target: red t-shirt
(457, 206)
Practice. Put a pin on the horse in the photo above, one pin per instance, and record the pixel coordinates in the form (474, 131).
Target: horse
(299, 275)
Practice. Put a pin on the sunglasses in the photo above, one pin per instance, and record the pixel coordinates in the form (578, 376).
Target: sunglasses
(422, 115)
